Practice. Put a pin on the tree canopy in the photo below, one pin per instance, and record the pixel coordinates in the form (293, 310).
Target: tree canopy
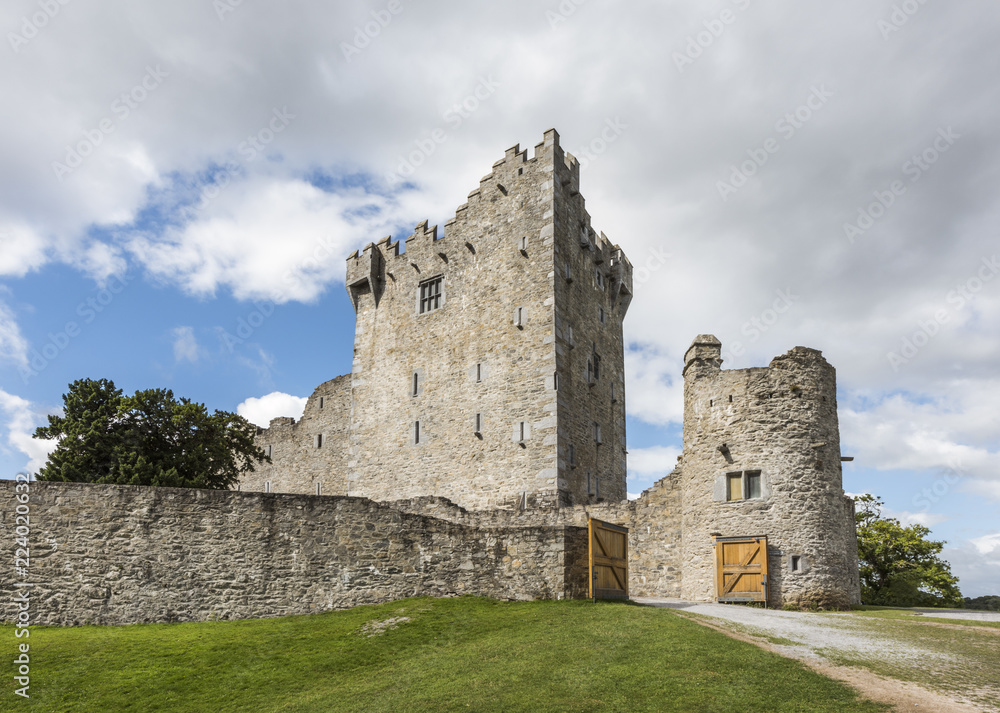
(149, 438)
(899, 565)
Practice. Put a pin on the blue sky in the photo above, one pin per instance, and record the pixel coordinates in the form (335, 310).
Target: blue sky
(186, 189)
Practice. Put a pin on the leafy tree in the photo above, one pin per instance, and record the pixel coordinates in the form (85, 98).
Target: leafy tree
(990, 602)
(146, 439)
(899, 566)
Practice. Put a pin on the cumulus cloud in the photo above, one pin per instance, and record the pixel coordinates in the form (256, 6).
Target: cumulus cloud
(977, 565)
(22, 418)
(260, 410)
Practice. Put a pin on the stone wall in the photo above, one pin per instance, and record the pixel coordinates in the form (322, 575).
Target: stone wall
(780, 421)
(309, 452)
(126, 554)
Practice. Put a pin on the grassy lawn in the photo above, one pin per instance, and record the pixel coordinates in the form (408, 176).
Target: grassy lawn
(468, 654)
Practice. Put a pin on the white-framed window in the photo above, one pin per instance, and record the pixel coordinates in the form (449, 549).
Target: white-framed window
(267, 486)
(743, 485)
(318, 440)
(522, 431)
(519, 316)
(430, 295)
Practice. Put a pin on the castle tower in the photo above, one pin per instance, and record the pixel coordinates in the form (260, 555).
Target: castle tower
(762, 458)
(488, 362)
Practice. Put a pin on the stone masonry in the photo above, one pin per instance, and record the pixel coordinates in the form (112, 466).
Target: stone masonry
(509, 392)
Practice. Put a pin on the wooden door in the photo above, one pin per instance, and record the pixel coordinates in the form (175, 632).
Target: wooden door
(741, 569)
(608, 560)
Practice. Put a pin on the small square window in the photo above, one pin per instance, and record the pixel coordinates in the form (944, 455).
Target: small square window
(430, 295)
(796, 563)
(753, 484)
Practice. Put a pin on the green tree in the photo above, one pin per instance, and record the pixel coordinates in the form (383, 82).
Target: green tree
(149, 438)
(899, 565)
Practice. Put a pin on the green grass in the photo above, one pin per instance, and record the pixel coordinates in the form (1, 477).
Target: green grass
(467, 654)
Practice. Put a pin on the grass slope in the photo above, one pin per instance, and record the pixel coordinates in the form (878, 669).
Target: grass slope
(467, 654)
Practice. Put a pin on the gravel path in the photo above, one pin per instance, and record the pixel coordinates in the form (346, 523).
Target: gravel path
(815, 638)
(811, 633)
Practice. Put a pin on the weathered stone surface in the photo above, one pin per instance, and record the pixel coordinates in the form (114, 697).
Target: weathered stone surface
(110, 554)
(781, 421)
(528, 336)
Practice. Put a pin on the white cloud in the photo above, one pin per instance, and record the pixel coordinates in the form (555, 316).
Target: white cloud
(655, 389)
(185, 344)
(260, 410)
(977, 565)
(653, 461)
(987, 544)
(13, 345)
(927, 519)
(21, 420)
(263, 238)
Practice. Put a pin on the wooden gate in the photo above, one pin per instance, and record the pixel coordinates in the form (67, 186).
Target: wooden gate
(608, 560)
(741, 569)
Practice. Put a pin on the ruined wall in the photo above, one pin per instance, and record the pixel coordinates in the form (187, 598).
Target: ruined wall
(780, 421)
(309, 452)
(126, 554)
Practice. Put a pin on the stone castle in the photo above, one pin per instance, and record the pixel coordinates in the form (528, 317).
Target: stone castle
(489, 371)
(481, 427)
